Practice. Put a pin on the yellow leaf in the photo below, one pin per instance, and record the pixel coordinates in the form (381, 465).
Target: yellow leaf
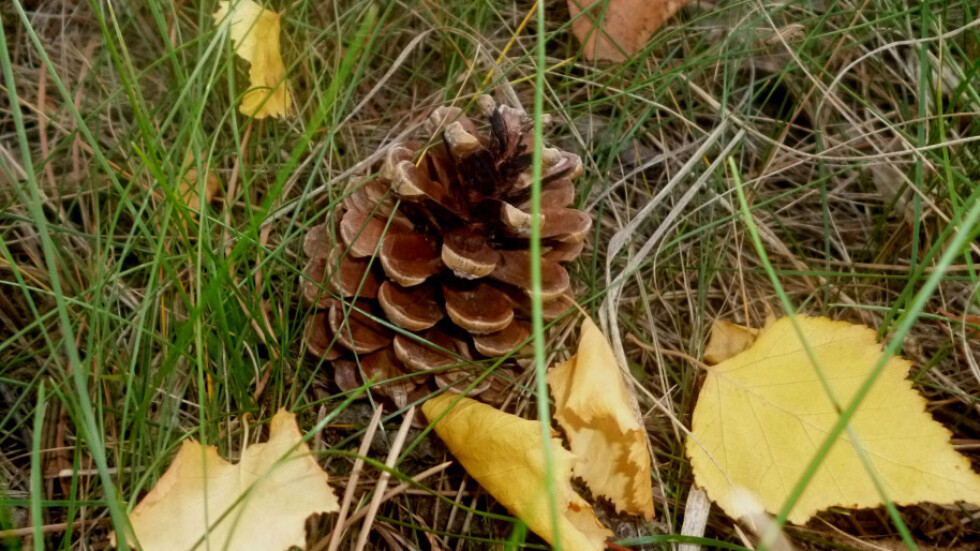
(505, 454)
(190, 186)
(261, 503)
(593, 405)
(762, 414)
(626, 25)
(728, 339)
(255, 35)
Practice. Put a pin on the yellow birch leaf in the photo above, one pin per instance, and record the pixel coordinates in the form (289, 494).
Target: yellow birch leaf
(762, 414)
(255, 36)
(505, 454)
(728, 339)
(626, 25)
(261, 503)
(593, 405)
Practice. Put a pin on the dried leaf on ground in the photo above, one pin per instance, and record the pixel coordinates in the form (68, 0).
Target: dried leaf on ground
(966, 322)
(260, 503)
(505, 454)
(593, 405)
(762, 414)
(627, 25)
(189, 189)
(728, 339)
(255, 36)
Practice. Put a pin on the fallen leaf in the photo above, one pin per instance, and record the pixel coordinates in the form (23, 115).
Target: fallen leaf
(627, 25)
(505, 454)
(255, 36)
(594, 407)
(261, 503)
(964, 322)
(189, 189)
(762, 414)
(728, 339)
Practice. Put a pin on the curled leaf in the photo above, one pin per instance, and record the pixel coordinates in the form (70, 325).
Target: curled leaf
(763, 413)
(260, 503)
(255, 36)
(755, 517)
(505, 454)
(594, 407)
(728, 339)
(614, 30)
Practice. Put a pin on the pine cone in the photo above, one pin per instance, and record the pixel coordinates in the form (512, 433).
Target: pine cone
(437, 246)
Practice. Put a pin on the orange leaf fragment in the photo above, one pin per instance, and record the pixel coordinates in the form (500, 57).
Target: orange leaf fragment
(626, 25)
(505, 454)
(594, 407)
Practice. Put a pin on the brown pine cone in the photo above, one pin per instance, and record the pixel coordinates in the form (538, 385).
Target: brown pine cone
(425, 269)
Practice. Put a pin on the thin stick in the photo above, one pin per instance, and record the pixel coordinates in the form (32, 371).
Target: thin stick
(232, 188)
(632, 338)
(401, 489)
(338, 530)
(457, 499)
(372, 509)
(461, 540)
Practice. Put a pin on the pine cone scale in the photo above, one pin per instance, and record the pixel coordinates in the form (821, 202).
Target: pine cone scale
(565, 224)
(414, 309)
(514, 269)
(502, 342)
(354, 278)
(355, 331)
(477, 307)
(361, 232)
(319, 338)
(465, 251)
(437, 354)
(409, 258)
(385, 367)
(564, 251)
